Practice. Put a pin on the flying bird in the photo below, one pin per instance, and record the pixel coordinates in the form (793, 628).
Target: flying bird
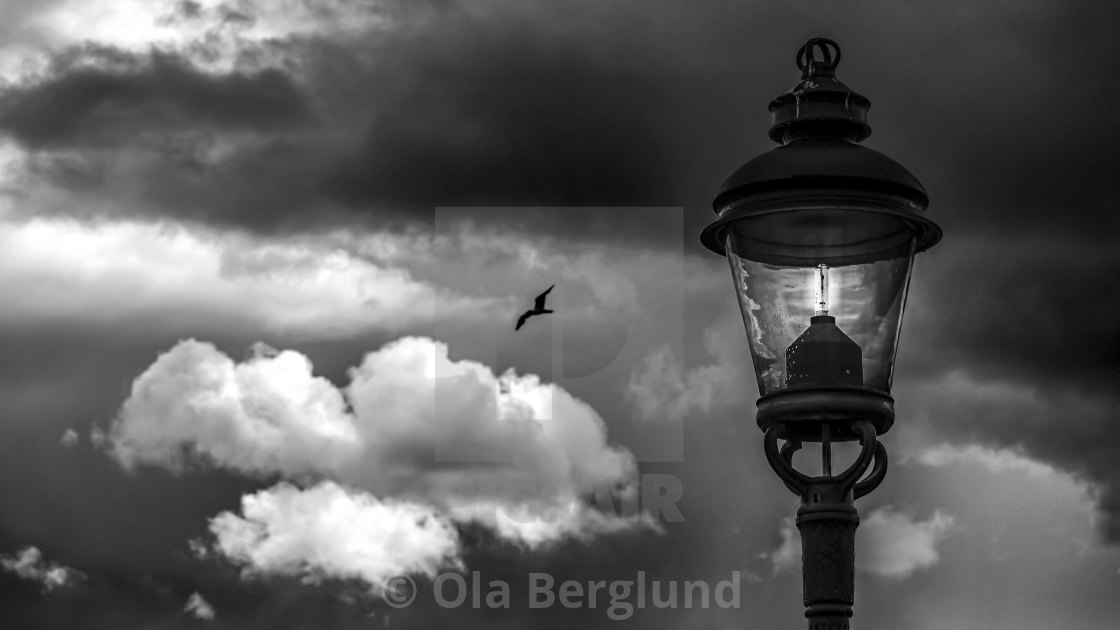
(538, 309)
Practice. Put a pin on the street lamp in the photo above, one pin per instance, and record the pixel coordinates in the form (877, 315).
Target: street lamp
(821, 234)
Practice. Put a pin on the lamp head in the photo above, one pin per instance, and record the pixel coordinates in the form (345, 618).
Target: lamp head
(821, 228)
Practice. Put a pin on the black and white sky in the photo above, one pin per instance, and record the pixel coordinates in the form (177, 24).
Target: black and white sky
(260, 262)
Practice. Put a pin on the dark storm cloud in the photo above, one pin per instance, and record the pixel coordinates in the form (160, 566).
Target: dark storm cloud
(1035, 309)
(1006, 117)
(498, 115)
(592, 106)
(1072, 428)
(135, 135)
(1009, 126)
(468, 104)
(453, 108)
(79, 105)
(1029, 323)
(1002, 114)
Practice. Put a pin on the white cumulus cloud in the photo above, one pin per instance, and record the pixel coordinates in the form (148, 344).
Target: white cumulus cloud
(896, 545)
(199, 607)
(329, 530)
(308, 287)
(995, 460)
(663, 388)
(889, 543)
(70, 439)
(269, 414)
(215, 34)
(28, 564)
(415, 441)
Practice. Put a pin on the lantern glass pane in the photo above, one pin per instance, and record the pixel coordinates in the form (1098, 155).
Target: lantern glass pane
(844, 303)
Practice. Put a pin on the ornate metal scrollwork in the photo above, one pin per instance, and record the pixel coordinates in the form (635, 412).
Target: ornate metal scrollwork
(828, 519)
(846, 486)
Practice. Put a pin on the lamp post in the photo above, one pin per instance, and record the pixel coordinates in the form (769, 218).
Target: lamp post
(821, 234)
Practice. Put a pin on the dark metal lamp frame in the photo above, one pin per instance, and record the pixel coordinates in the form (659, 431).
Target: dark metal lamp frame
(820, 123)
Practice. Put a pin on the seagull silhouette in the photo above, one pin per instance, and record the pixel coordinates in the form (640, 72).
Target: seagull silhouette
(538, 309)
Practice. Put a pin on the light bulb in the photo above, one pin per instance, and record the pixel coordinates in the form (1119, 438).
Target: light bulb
(823, 356)
(821, 290)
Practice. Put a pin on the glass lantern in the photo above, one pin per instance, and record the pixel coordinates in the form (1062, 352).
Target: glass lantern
(818, 315)
(821, 234)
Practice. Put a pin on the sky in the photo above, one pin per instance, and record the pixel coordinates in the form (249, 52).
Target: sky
(260, 263)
